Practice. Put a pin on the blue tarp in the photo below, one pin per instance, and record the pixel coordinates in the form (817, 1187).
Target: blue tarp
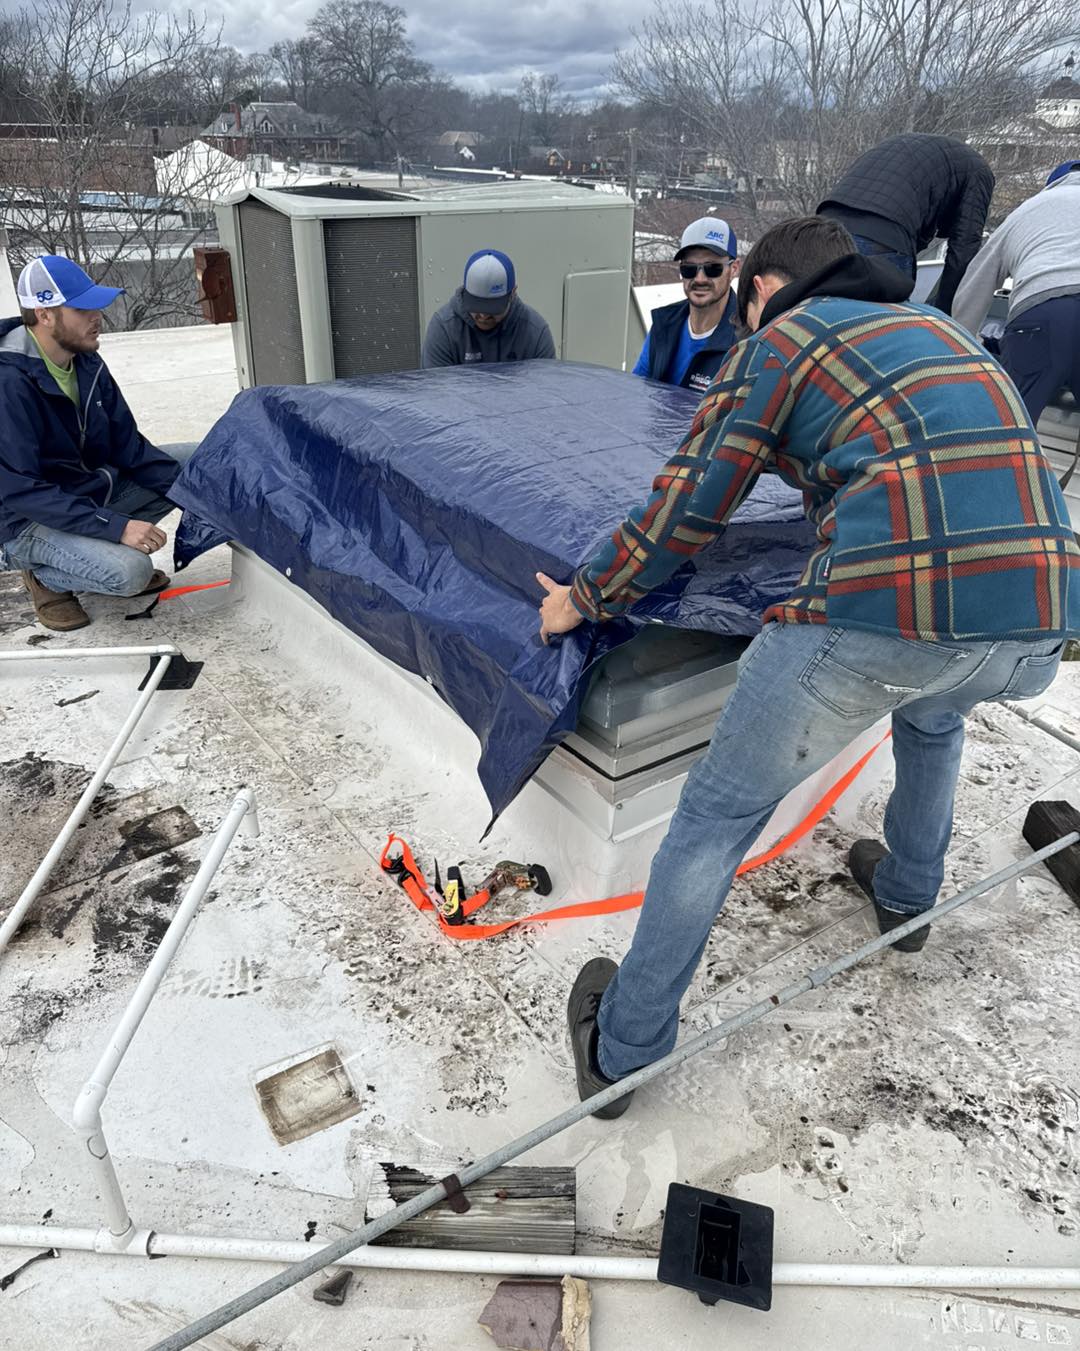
(417, 507)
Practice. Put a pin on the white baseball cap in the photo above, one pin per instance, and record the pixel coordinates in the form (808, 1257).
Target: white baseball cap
(709, 233)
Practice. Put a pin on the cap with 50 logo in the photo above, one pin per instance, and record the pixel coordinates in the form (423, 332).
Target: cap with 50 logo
(49, 281)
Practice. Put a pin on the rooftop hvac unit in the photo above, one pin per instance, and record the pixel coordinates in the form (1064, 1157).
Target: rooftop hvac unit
(341, 280)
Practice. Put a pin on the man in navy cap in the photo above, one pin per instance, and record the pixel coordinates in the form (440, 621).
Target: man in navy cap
(689, 340)
(81, 489)
(485, 319)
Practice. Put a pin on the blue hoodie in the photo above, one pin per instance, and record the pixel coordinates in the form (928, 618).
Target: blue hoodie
(60, 464)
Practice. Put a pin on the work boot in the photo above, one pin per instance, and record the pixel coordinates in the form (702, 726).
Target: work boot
(57, 610)
(158, 582)
(581, 1010)
(863, 858)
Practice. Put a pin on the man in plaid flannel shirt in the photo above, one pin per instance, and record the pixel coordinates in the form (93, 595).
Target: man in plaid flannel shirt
(946, 574)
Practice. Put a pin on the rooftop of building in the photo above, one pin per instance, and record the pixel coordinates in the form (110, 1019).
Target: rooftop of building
(920, 1109)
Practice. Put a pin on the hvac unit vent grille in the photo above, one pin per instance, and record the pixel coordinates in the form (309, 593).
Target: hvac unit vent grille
(371, 277)
(277, 346)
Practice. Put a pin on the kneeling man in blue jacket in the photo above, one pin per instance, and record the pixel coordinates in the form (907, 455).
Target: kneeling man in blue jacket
(81, 489)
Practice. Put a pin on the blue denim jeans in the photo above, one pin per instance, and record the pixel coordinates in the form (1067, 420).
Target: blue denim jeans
(804, 692)
(64, 561)
(872, 249)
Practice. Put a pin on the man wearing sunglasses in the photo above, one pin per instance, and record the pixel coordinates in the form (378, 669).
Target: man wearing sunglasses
(689, 340)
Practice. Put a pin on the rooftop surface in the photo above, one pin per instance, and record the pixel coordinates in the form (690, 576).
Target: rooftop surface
(920, 1109)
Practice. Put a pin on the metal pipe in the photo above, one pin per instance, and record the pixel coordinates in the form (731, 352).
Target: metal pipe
(18, 911)
(61, 653)
(1044, 726)
(333, 1252)
(86, 1116)
(150, 1243)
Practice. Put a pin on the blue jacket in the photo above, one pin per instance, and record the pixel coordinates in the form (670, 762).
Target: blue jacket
(662, 343)
(59, 464)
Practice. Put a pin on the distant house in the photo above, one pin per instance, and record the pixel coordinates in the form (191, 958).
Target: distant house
(42, 163)
(1058, 105)
(284, 131)
(1022, 150)
(162, 140)
(455, 147)
(458, 140)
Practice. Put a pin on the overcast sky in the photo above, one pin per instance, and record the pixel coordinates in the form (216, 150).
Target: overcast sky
(479, 43)
(492, 42)
(482, 44)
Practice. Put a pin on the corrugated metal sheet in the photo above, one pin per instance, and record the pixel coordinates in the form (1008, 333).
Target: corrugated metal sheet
(277, 346)
(371, 277)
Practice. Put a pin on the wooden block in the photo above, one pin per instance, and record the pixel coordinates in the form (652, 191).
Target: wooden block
(510, 1210)
(1047, 822)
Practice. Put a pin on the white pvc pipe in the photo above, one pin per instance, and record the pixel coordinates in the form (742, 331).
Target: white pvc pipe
(86, 1116)
(52, 654)
(149, 1243)
(18, 911)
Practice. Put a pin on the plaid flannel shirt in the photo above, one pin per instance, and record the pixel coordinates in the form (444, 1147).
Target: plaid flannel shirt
(937, 514)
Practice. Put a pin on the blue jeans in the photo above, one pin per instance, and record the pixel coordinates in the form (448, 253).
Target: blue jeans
(64, 561)
(1041, 351)
(804, 692)
(872, 249)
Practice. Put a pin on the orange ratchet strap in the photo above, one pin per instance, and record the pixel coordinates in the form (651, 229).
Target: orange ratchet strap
(187, 590)
(402, 866)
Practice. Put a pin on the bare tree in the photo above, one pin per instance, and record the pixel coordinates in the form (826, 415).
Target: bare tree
(544, 103)
(92, 70)
(955, 63)
(718, 82)
(218, 75)
(788, 94)
(262, 70)
(366, 57)
(297, 64)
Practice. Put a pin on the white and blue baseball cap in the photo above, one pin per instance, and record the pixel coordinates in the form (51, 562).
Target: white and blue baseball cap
(709, 233)
(489, 282)
(49, 281)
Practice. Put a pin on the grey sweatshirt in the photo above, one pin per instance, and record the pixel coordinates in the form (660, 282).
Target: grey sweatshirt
(454, 340)
(1038, 245)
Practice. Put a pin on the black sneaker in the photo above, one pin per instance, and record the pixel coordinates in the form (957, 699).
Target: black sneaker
(581, 1010)
(863, 858)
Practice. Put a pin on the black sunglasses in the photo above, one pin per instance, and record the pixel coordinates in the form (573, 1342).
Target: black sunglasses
(688, 271)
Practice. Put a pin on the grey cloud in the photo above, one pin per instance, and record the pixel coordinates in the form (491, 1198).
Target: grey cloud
(486, 43)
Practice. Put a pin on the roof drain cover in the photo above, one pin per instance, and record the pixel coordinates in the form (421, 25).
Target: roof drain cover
(717, 1246)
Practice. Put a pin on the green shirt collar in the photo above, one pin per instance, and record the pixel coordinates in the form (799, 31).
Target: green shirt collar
(65, 376)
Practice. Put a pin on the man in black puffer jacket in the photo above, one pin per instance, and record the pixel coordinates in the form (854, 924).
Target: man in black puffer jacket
(909, 190)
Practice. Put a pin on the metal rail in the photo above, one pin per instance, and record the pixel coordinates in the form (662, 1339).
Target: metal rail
(165, 654)
(86, 1118)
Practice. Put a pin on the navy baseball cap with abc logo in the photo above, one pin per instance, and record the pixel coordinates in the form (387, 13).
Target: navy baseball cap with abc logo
(709, 233)
(45, 283)
(489, 282)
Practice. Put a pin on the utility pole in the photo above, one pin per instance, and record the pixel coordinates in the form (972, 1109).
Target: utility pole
(631, 176)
